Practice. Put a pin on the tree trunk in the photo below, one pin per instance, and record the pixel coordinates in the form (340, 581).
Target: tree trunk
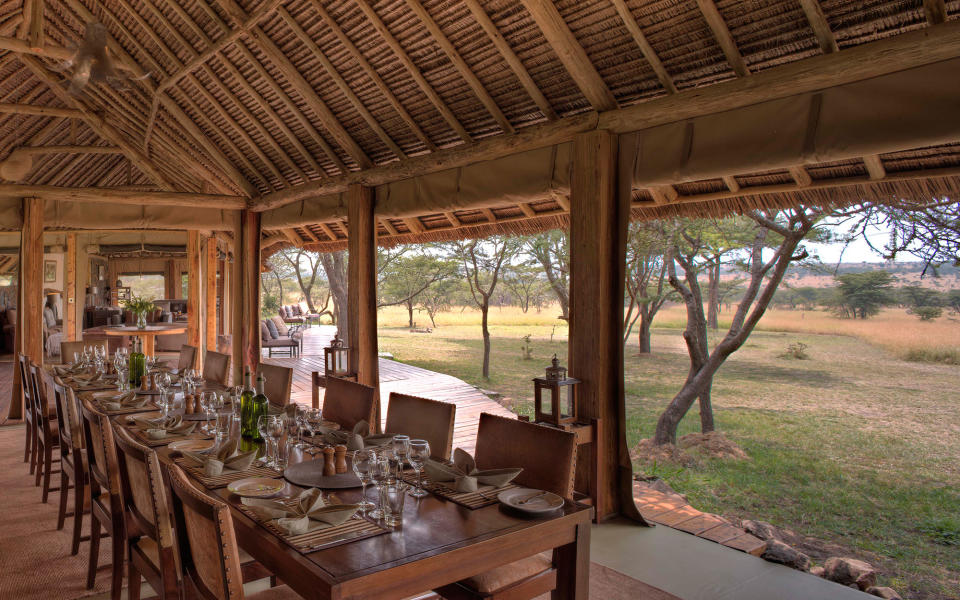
(644, 335)
(713, 295)
(336, 268)
(706, 410)
(484, 308)
(410, 312)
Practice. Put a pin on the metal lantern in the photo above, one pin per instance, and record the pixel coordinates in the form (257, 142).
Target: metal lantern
(336, 358)
(560, 405)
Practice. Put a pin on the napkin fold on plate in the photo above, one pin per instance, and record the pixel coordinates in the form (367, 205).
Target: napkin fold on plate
(464, 474)
(358, 439)
(157, 429)
(122, 401)
(223, 458)
(310, 512)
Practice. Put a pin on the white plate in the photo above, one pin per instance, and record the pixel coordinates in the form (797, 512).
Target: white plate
(256, 487)
(515, 498)
(191, 445)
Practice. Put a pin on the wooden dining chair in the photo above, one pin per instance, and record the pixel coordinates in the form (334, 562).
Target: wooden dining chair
(151, 550)
(216, 365)
(187, 359)
(73, 462)
(278, 383)
(548, 458)
(348, 402)
(106, 500)
(68, 348)
(30, 433)
(209, 557)
(48, 434)
(422, 418)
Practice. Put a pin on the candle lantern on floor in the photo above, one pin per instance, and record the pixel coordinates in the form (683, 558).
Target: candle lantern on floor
(555, 396)
(336, 358)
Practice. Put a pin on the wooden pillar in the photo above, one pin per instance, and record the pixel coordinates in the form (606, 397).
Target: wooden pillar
(171, 280)
(236, 298)
(71, 291)
(29, 330)
(210, 289)
(193, 292)
(245, 292)
(222, 297)
(362, 288)
(598, 229)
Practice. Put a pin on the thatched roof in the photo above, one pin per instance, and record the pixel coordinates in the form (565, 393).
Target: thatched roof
(260, 98)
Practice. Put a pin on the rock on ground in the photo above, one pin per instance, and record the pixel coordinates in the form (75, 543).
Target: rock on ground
(763, 530)
(779, 552)
(884, 592)
(848, 571)
(818, 571)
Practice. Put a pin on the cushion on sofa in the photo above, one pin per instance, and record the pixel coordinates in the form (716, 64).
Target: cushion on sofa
(282, 328)
(274, 334)
(264, 332)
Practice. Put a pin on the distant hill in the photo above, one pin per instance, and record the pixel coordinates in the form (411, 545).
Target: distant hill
(906, 273)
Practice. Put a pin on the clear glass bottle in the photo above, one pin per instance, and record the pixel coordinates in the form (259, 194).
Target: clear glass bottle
(138, 366)
(248, 421)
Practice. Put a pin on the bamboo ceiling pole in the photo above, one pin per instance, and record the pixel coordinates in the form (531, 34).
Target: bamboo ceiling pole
(362, 291)
(43, 111)
(123, 196)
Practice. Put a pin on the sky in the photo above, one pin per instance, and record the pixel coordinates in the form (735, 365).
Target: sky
(857, 251)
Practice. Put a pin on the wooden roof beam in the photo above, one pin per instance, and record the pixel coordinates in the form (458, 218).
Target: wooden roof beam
(722, 34)
(291, 235)
(874, 166)
(33, 25)
(414, 224)
(571, 53)
(97, 195)
(935, 10)
(327, 231)
(527, 210)
(821, 28)
(372, 74)
(645, 48)
(511, 58)
(374, 20)
(800, 175)
(731, 182)
(664, 194)
(42, 111)
(460, 65)
(33, 150)
(454, 220)
(345, 88)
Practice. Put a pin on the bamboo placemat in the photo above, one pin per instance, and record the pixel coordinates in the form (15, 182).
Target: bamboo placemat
(356, 528)
(225, 479)
(141, 437)
(471, 500)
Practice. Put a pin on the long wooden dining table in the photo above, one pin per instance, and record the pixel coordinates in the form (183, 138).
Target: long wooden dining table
(438, 543)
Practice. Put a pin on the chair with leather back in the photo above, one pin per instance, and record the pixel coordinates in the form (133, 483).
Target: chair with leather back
(422, 418)
(216, 367)
(151, 551)
(73, 462)
(207, 545)
(348, 402)
(68, 349)
(106, 500)
(48, 435)
(278, 383)
(548, 458)
(187, 359)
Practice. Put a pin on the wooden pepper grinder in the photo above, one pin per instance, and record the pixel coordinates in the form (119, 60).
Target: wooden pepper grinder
(188, 404)
(341, 454)
(144, 383)
(329, 466)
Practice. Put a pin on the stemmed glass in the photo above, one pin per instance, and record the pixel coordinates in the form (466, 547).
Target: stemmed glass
(264, 430)
(362, 465)
(401, 446)
(120, 366)
(205, 407)
(276, 426)
(380, 474)
(418, 454)
(294, 427)
(237, 392)
(214, 405)
(163, 384)
(165, 402)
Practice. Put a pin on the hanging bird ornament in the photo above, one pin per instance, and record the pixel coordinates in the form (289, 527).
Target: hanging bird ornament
(91, 62)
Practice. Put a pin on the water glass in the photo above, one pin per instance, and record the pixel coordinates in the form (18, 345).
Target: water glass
(417, 456)
(224, 419)
(394, 494)
(362, 464)
(401, 446)
(380, 474)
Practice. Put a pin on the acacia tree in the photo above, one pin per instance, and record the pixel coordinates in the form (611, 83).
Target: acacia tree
(405, 278)
(482, 262)
(295, 257)
(551, 249)
(863, 294)
(335, 266)
(438, 298)
(783, 233)
(525, 284)
(645, 283)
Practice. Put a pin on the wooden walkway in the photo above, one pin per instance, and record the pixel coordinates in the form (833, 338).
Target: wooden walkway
(400, 377)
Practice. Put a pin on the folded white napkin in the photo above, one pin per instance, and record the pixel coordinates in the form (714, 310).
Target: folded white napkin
(310, 512)
(358, 439)
(122, 401)
(161, 428)
(464, 474)
(224, 458)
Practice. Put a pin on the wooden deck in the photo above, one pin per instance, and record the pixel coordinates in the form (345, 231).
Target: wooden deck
(397, 376)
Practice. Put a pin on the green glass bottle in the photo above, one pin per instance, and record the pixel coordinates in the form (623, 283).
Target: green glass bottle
(248, 422)
(261, 406)
(138, 366)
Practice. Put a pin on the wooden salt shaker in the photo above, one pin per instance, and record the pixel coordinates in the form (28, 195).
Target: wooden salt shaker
(329, 466)
(188, 404)
(341, 455)
(144, 383)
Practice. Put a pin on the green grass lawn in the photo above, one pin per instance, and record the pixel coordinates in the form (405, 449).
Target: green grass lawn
(855, 446)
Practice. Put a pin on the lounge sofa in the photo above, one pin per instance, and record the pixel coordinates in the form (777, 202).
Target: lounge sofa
(277, 336)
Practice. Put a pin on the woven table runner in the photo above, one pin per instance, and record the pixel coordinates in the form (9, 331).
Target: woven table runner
(471, 500)
(226, 478)
(356, 528)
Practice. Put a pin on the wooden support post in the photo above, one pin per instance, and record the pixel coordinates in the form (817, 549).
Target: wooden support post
(236, 298)
(598, 229)
(210, 290)
(71, 291)
(171, 280)
(29, 330)
(362, 289)
(221, 294)
(193, 293)
(248, 255)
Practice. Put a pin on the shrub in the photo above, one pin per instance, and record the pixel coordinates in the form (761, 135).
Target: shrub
(926, 313)
(947, 356)
(526, 349)
(796, 350)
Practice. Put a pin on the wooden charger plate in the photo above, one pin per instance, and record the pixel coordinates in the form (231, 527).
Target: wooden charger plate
(310, 474)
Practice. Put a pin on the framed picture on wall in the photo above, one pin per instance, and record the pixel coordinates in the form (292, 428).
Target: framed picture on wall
(49, 271)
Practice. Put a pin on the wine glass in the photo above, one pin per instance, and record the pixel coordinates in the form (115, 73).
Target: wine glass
(380, 473)
(362, 464)
(205, 408)
(264, 429)
(276, 427)
(293, 428)
(164, 401)
(401, 446)
(418, 454)
(314, 420)
(237, 392)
